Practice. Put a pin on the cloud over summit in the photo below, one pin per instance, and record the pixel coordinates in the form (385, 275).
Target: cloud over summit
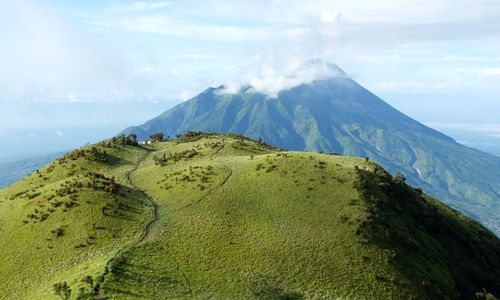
(272, 79)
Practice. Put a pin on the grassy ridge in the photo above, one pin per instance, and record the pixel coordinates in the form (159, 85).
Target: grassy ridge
(272, 224)
(61, 223)
(237, 219)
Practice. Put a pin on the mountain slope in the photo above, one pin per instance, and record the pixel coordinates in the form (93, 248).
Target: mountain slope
(338, 115)
(217, 216)
(67, 219)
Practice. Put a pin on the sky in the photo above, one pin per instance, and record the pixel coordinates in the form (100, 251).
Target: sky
(73, 72)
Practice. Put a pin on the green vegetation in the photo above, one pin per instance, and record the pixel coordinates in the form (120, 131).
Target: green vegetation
(65, 221)
(225, 217)
(62, 290)
(156, 137)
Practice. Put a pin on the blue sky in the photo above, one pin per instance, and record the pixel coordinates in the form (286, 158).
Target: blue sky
(78, 71)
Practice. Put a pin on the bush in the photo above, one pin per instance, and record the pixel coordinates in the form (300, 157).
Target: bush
(62, 290)
(58, 232)
(485, 296)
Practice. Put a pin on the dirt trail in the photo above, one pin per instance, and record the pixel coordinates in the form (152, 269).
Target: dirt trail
(146, 232)
(152, 202)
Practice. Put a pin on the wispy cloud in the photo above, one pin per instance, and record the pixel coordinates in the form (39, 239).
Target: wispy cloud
(273, 78)
(329, 17)
(411, 87)
(215, 42)
(173, 27)
(60, 133)
(139, 6)
(492, 129)
(152, 70)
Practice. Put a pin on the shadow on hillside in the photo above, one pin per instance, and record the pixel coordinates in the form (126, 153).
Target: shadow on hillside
(265, 288)
(442, 252)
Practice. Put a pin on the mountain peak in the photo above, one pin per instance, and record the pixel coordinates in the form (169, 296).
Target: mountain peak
(335, 70)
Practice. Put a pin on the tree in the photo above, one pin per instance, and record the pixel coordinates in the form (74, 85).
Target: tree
(399, 178)
(85, 292)
(121, 139)
(89, 281)
(62, 290)
(157, 137)
(132, 139)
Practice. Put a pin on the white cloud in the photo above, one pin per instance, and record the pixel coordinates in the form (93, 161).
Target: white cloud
(491, 129)
(488, 71)
(170, 26)
(150, 71)
(42, 55)
(139, 6)
(60, 133)
(375, 33)
(185, 95)
(273, 77)
(191, 56)
(329, 17)
(73, 97)
(437, 75)
(400, 87)
(155, 4)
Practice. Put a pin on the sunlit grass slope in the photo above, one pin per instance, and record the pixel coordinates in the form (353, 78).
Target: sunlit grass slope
(64, 221)
(242, 220)
(210, 216)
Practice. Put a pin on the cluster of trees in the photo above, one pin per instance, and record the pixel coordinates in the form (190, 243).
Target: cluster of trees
(100, 181)
(161, 161)
(187, 154)
(63, 290)
(157, 137)
(18, 194)
(190, 136)
(92, 153)
(70, 189)
(121, 139)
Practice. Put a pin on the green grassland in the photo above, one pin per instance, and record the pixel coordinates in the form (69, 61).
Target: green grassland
(210, 216)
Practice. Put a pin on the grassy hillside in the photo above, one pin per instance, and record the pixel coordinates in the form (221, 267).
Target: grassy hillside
(224, 217)
(66, 220)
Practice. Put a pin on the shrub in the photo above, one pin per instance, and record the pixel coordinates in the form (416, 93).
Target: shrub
(62, 290)
(58, 232)
(399, 178)
(485, 296)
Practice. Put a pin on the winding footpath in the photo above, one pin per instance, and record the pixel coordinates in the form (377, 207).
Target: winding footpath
(146, 232)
